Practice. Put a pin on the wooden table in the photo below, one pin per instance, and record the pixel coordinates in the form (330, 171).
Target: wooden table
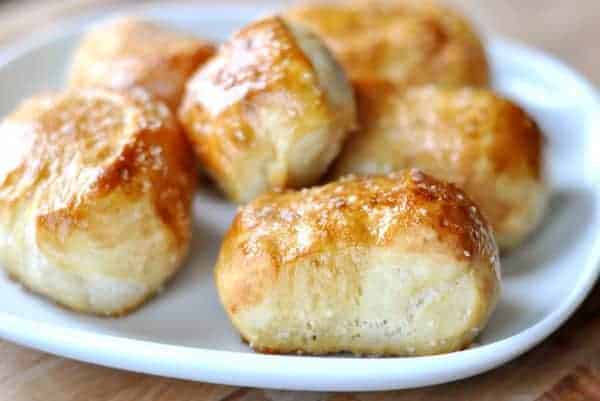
(565, 367)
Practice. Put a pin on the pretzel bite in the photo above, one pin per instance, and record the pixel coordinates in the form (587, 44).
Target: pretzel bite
(485, 144)
(406, 42)
(95, 195)
(127, 53)
(402, 264)
(270, 110)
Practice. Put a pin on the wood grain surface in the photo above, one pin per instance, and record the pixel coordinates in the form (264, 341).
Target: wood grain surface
(565, 367)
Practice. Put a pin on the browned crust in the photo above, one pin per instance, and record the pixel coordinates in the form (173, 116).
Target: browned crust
(352, 213)
(486, 144)
(260, 64)
(349, 213)
(126, 53)
(408, 42)
(76, 148)
(123, 141)
(449, 114)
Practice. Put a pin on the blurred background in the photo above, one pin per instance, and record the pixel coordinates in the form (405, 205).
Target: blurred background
(568, 29)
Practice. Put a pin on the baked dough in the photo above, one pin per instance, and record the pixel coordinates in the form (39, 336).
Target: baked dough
(402, 264)
(125, 53)
(95, 195)
(270, 110)
(485, 144)
(406, 42)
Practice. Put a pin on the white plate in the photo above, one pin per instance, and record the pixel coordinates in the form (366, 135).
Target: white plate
(184, 333)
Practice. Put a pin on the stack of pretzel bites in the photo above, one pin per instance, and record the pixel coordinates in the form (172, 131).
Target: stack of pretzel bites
(378, 176)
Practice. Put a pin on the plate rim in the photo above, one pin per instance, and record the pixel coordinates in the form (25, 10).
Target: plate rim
(285, 371)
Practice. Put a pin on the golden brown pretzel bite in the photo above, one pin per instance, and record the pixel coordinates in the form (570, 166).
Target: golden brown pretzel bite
(405, 42)
(474, 138)
(385, 265)
(270, 110)
(95, 196)
(127, 53)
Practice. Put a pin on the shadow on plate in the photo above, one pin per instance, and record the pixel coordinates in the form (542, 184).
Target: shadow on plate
(565, 222)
